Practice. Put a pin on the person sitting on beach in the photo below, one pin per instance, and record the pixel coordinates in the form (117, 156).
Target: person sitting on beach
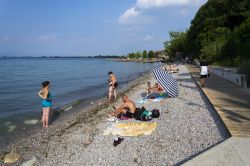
(112, 85)
(157, 88)
(45, 94)
(127, 108)
(173, 69)
(167, 68)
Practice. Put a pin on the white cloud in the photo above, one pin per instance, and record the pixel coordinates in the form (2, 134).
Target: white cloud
(148, 38)
(136, 17)
(162, 3)
(128, 15)
(136, 14)
(47, 37)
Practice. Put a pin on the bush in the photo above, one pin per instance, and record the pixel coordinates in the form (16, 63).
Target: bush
(236, 61)
(244, 67)
(216, 64)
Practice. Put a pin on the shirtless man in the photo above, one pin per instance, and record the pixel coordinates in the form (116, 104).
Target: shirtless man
(128, 108)
(112, 85)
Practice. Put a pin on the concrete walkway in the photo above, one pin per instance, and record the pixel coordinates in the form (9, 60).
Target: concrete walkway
(235, 151)
(231, 102)
(233, 105)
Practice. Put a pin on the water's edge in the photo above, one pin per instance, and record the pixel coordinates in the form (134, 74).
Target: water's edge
(64, 115)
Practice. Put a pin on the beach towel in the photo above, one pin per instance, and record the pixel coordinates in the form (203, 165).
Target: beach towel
(125, 118)
(158, 99)
(144, 101)
(131, 129)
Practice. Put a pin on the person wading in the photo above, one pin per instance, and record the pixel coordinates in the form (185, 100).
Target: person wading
(45, 94)
(112, 85)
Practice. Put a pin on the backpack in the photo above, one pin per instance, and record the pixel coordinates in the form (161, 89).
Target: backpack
(156, 113)
(142, 114)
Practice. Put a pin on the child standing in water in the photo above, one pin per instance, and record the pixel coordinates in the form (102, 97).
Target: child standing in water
(45, 94)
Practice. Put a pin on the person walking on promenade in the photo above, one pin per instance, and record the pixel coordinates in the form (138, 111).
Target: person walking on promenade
(204, 71)
(112, 85)
(45, 94)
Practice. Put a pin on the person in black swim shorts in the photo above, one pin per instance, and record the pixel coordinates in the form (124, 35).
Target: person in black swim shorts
(127, 108)
(113, 84)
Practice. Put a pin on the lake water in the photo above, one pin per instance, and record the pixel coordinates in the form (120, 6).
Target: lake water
(71, 79)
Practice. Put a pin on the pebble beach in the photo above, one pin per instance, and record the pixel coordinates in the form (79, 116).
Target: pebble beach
(187, 126)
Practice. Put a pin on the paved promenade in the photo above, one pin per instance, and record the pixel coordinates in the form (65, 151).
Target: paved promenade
(233, 105)
(231, 102)
(232, 152)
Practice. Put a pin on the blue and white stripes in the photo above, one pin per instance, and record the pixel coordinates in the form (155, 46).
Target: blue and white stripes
(167, 81)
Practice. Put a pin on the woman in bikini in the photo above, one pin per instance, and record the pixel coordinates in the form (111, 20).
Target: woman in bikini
(45, 94)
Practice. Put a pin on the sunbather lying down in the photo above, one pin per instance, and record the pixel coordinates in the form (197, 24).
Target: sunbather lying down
(127, 108)
(156, 88)
(171, 68)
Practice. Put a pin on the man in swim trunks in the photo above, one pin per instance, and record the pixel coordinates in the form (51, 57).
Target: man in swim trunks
(127, 108)
(112, 85)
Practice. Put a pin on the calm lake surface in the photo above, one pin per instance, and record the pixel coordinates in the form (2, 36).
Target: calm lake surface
(71, 79)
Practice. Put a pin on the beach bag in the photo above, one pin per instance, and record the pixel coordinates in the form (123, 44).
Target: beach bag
(138, 113)
(155, 113)
(142, 114)
(146, 116)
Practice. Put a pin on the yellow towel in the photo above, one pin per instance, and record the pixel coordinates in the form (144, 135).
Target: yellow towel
(131, 129)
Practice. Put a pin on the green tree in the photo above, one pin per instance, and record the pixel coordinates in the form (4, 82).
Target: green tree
(131, 55)
(138, 55)
(144, 54)
(151, 54)
(220, 31)
(176, 43)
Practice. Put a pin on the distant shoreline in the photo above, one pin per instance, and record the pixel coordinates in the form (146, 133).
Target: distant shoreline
(111, 58)
(40, 57)
(136, 60)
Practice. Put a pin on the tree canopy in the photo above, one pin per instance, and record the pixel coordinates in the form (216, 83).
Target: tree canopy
(220, 32)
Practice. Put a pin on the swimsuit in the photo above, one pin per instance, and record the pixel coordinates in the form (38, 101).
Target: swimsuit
(47, 102)
(115, 84)
(128, 113)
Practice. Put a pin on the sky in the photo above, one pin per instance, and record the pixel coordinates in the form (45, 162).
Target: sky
(90, 27)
